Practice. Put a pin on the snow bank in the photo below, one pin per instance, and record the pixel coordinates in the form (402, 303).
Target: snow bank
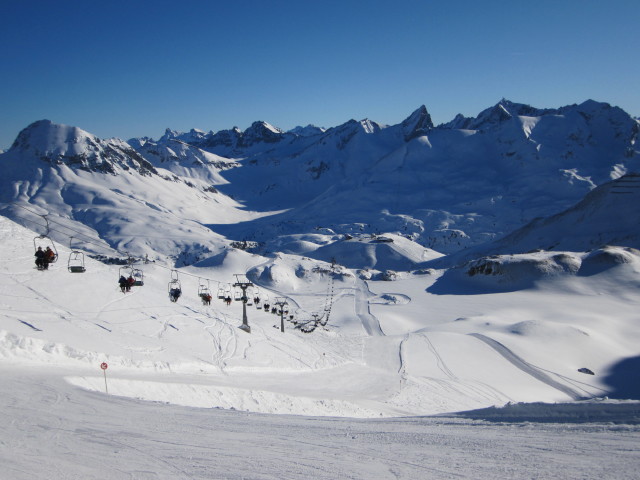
(599, 410)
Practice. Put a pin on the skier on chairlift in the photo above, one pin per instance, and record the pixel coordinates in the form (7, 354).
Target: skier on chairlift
(50, 256)
(206, 299)
(40, 259)
(174, 294)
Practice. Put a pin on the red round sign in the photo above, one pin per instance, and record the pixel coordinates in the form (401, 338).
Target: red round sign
(104, 365)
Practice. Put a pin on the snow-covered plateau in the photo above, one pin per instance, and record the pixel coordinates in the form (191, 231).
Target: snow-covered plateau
(409, 313)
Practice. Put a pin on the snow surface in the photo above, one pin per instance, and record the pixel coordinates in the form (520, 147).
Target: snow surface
(190, 395)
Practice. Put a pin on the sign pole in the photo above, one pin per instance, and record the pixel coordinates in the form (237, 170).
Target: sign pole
(104, 367)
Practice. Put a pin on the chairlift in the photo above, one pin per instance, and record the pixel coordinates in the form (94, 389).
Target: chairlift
(221, 294)
(203, 288)
(175, 288)
(44, 241)
(75, 264)
(204, 292)
(138, 277)
(237, 294)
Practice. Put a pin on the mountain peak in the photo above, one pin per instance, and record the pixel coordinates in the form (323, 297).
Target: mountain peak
(417, 124)
(45, 137)
(261, 132)
(308, 131)
(57, 144)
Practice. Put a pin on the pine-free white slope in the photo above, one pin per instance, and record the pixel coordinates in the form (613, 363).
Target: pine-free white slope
(423, 360)
(51, 429)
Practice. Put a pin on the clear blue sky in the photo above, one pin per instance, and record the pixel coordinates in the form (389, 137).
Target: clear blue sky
(133, 68)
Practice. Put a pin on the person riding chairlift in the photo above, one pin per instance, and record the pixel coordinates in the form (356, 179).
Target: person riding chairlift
(50, 255)
(174, 294)
(123, 283)
(41, 262)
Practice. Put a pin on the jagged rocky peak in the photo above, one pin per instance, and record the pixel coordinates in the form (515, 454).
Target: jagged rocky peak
(497, 114)
(417, 124)
(261, 132)
(370, 126)
(460, 122)
(501, 112)
(58, 144)
(228, 139)
(168, 135)
(193, 136)
(308, 131)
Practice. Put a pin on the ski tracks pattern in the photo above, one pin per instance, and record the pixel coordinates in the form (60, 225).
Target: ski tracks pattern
(225, 341)
(467, 388)
(526, 367)
(369, 321)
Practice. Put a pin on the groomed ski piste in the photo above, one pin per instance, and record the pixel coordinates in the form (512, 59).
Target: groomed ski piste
(376, 392)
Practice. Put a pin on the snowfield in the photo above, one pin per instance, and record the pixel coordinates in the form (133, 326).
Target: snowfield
(371, 394)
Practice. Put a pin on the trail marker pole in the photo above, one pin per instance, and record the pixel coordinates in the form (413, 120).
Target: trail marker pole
(104, 367)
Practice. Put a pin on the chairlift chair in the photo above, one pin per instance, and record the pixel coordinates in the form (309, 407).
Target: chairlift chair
(75, 264)
(44, 241)
(138, 277)
(124, 272)
(237, 294)
(204, 292)
(175, 290)
(203, 289)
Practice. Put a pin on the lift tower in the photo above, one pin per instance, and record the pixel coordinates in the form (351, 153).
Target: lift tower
(281, 302)
(243, 283)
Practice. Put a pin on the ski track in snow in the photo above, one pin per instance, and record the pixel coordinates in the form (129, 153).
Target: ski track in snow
(463, 388)
(225, 341)
(527, 367)
(369, 321)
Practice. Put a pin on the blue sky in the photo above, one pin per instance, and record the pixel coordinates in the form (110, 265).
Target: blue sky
(130, 69)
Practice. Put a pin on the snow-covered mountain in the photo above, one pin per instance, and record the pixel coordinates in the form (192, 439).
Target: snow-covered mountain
(446, 187)
(101, 191)
(346, 228)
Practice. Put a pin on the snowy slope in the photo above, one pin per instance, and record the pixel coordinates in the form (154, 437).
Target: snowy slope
(50, 429)
(388, 348)
(608, 215)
